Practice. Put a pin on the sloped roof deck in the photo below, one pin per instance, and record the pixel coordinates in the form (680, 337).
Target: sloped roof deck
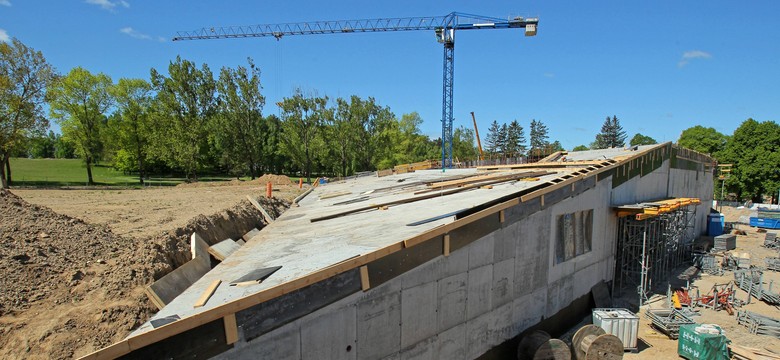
(310, 246)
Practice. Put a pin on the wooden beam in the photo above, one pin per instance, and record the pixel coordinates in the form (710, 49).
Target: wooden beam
(268, 218)
(231, 328)
(154, 297)
(501, 216)
(446, 244)
(204, 298)
(364, 282)
(334, 194)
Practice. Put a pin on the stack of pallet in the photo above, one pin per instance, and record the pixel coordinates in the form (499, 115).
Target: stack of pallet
(725, 242)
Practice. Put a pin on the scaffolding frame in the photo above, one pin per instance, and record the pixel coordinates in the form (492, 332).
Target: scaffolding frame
(649, 248)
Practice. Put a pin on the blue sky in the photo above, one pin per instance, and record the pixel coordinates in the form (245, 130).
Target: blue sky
(660, 66)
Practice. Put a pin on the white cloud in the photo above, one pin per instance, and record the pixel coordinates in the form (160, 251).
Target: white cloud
(4, 36)
(693, 54)
(5, 2)
(134, 33)
(106, 4)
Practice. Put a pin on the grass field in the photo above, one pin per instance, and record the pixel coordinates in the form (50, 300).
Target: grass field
(73, 172)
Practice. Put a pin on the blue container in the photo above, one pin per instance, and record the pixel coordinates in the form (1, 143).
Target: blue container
(715, 224)
(765, 223)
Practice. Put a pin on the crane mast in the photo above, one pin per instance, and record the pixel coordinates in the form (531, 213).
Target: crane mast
(443, 26)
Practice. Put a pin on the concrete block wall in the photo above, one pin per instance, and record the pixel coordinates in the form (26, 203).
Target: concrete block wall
(459, 306)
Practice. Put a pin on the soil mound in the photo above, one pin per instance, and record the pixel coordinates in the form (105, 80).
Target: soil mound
(274, 179)
(66, 284)
(69, 288)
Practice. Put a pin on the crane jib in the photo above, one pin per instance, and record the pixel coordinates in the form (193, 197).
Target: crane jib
(444, 26)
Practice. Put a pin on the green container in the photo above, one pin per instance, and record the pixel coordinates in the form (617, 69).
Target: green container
(694, 346)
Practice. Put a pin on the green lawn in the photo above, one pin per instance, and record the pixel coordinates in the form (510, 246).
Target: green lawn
(72, 172)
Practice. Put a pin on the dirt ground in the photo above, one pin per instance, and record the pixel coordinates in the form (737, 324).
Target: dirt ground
(655, 345)
(75, 262)
(141, 213)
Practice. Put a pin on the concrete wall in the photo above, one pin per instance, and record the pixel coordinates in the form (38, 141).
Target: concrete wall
(481, 295)
(455, 307)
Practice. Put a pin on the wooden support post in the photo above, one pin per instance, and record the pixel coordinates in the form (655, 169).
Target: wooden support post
(231, 329)
(364, 282)
(542, 198)
(204, 298)
(501, 216)
(447, 244)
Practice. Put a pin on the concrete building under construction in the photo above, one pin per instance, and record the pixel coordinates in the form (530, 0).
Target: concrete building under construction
(435, 265)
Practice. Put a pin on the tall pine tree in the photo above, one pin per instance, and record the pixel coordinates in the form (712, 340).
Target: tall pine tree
(611, 135)
(538, 137)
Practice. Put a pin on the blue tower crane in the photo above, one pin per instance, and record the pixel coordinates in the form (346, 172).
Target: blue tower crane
(443, 26)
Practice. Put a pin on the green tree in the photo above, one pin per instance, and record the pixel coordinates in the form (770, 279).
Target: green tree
(375, 126)
(556, 146)
(187, 103)
(240, 125)
(24, 77)
(43, 147)
(515, 139)
(580, 148)
(705, 140)
(79, 102)
(754, 151)
(494, 142)
(342, 130)
(538, 138)
(134, 128)
(611, 135)
(463, 144)
(302, 119)
(640, 139)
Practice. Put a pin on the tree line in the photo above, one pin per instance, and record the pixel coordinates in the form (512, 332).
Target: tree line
(190, 121)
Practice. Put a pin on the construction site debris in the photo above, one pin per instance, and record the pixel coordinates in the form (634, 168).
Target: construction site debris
(668, 321)
(223, 249)
(759, 324)
(725, 242)
(748, 353)
(255, 276)
(752, 281)
(591, 342)
(204, 298)
(619, 322)
(540, 345)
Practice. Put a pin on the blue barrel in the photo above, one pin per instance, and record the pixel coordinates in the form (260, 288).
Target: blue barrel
(715, 224)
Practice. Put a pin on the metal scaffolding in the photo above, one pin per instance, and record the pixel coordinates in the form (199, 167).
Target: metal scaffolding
(650, 247)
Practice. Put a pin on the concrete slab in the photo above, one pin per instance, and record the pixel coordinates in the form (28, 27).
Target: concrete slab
(528, 310)
(283, 343)
(504, 245)
(478, 336)
(503, 282)
(479, 293)
(481, 251)
(456, 263)
(418, 313)
(378, 326)
(423, 274)
(330, 336)
(423, 350)
(452, 301)
(451, 344)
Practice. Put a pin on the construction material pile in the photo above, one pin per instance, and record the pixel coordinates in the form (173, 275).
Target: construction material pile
(759, 324)
(668, 321)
